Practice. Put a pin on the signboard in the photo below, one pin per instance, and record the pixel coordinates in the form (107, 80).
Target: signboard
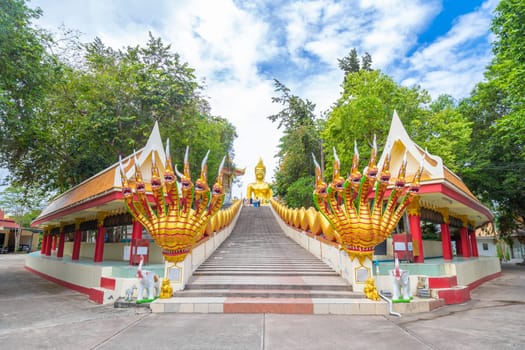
(139, 247)
(403, 246)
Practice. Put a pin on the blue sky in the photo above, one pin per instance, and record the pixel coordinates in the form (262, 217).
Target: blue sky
(239, 47)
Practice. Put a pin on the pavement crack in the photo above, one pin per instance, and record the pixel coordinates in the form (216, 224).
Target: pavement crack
(116, 334)
(445, 313)
(263, 333)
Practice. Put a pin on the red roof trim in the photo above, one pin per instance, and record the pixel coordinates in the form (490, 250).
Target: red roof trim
(466, 200)
(6, 223)
(450, 192)
(109, 197)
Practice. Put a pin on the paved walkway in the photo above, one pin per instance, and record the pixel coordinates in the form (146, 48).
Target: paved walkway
(37, 314)
(259, 269)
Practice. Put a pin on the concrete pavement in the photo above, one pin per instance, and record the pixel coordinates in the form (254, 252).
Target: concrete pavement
(37, 314)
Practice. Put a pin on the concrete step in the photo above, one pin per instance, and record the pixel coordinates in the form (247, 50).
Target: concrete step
(321, 306)
(296, 287)
(102, 295)
(442, 282)
(335, 306)
(454, 295)
(268, 293)
(265, 273)
(259, 269)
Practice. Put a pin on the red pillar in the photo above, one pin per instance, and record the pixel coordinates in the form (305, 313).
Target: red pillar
(414, 220)
(473, 243)
(465, 242)
(49, 243)
(54, 242)
(99, 242)
(445, 241)
(61, 240)
(75, 255)
(135, 234)
(43, 244)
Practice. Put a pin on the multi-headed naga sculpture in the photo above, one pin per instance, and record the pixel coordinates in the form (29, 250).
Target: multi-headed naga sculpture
(360, 220)
(178, 220)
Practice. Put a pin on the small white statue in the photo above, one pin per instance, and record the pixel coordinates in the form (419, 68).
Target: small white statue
(129, 293)
(148, 281)
(400, 282)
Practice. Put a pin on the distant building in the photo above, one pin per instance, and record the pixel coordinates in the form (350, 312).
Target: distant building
(8, 228)
(444, 201)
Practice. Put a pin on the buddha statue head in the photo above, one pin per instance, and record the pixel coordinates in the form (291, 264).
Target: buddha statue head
(260, 170)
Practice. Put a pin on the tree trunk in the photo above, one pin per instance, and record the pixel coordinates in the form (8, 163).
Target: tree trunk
(18, 233)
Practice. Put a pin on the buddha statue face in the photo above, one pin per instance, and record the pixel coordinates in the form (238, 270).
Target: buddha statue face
(260, 171)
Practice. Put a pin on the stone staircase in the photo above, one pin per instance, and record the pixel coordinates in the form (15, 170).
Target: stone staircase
(258, 269)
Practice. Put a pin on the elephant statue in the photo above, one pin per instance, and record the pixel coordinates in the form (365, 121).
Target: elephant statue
(148, 281)
(400, 282)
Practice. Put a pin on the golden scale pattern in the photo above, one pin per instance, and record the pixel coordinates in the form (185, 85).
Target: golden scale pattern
(345, 212)
(179, 220)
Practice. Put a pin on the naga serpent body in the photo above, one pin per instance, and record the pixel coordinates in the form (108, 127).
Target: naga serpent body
(178, 220)
(360, 223)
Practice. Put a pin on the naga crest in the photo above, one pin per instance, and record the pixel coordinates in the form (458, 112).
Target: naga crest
(361, 223)
(175, 220)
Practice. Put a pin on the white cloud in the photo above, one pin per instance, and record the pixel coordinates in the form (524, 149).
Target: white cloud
(454, 63)
(395, 25)
(226, 41)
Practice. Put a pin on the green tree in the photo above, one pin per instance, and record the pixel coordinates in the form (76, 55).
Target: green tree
(444, 132)
(26, 73)
(106, 104)
(300, 139)
(299, 193)
(496, 171)
(350, 63)
(365, 109)
(366, 61)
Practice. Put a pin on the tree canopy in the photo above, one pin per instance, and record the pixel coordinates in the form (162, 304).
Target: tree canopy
(365, 109)
(300, 139)
(495, 170)
(75, 116)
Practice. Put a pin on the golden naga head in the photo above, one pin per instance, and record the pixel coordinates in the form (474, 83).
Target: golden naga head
(355, 174)
(384, 175)
(171, 220)
(140, 187)
(155, 177)
(372, 166)
(321, 188)
(360, 223)
(185, 178)
(126, 189)
(338, 182)
(169, 175)
(201, 184)
(217, 192)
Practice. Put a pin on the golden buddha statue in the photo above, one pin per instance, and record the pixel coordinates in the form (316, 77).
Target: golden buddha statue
(260, 190)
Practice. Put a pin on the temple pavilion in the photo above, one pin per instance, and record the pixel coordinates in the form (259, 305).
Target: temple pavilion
(444, 200)
(90, 222)
(82, 221)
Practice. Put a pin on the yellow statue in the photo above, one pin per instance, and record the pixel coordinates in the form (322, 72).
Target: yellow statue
(166, 291)
(260, 190)
(370, 290)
